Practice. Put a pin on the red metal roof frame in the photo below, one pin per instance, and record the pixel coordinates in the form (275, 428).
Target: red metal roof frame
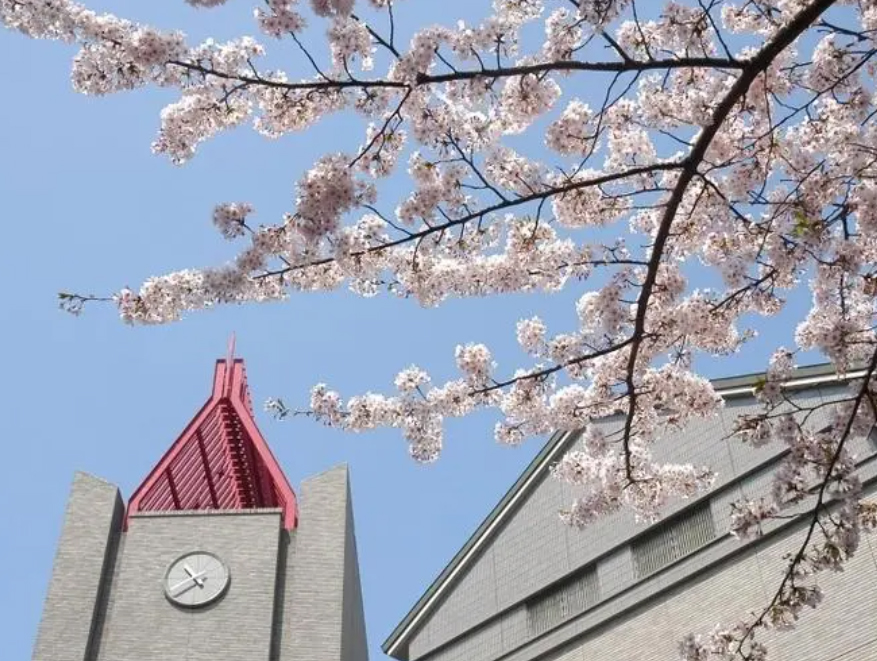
(221, 461)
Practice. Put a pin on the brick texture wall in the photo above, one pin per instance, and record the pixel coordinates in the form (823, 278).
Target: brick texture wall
(324, 610)
(844, 627)
(92, 524)
(483, 617)
(293, 596)
(142, 625)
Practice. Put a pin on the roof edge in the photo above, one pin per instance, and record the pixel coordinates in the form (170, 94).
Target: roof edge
(239, 403)
(727, 387)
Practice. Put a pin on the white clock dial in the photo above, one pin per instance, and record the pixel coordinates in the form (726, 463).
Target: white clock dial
(196, 579)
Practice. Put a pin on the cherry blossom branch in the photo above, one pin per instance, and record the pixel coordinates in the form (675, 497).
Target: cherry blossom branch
(75, 303)
(413, 237)
(484, 72)
(386, 43)
(541, 375)
(379, 135)
(800, 555)
(750, 72)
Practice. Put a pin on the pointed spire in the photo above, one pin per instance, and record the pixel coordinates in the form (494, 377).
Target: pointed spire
(229, 360)
(221, 461)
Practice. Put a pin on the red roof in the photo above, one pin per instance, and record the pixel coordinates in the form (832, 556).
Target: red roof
(221, 461)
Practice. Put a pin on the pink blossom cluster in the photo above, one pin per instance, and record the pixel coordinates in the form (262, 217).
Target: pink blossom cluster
(280, 18)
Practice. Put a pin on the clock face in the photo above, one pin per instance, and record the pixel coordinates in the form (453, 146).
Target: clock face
(196, 579)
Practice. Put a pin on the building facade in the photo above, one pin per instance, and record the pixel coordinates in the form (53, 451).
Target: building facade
(525, 586)
(213, 558)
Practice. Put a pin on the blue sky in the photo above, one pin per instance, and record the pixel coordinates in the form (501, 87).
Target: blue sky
(86, 207)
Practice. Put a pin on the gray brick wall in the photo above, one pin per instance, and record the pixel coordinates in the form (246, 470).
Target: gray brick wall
(718, 584)
(323, 597)
(142, 625)
(843, 627)
(354, 646)
(534, 548)
(286, 560)
(292, 596)
(91, 525)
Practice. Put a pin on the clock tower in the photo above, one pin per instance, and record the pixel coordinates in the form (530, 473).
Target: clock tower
(213, 558)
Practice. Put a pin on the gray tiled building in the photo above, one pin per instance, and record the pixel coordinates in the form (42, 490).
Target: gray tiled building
(213, 558)
(525, 586)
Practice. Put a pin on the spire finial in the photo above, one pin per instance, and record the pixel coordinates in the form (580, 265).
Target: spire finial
(229, 366)
(231, 349)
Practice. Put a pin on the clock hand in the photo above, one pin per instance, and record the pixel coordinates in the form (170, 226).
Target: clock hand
(195, 578)
(179, 594)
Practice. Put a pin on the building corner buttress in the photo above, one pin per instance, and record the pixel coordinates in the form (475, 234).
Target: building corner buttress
(70, 624)
(323, 618)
